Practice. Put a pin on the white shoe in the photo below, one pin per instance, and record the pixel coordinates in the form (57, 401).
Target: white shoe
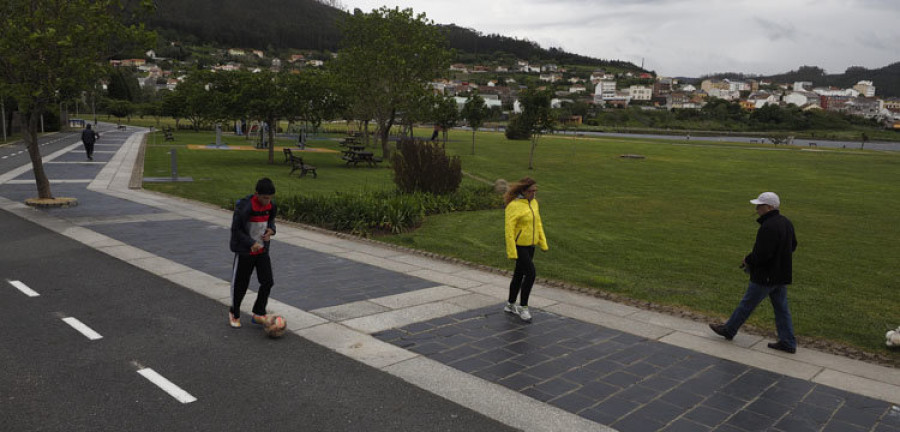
(510, 308)
(524, 313)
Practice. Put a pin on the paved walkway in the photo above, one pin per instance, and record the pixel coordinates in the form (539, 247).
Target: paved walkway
(584, 364)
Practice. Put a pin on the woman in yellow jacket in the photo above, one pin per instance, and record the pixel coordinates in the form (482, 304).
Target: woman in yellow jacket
(524, 231)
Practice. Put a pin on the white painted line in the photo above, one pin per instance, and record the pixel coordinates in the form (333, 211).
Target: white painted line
(24, 288)
(85, 330)
(167, 386)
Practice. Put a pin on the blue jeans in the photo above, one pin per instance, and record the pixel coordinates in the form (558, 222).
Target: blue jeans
(754, 295)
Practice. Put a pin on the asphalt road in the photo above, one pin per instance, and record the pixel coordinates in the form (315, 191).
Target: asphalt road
(55, 378)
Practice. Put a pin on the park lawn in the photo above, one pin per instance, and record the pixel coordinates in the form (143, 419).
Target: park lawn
(669, 229)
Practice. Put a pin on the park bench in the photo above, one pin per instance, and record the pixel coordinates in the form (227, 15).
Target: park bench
(297, 164)
(287, 154)
(120, 127)
(168, 134)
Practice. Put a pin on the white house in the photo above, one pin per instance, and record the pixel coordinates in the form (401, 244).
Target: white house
(640, 93)
(605, 89)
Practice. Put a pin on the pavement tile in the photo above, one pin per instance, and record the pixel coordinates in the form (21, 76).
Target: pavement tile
(683, 425)
(638, 394)
(682, 396)
(573, 402)
(707, 416)
(751, 421)
(519, 381)
(839, 426)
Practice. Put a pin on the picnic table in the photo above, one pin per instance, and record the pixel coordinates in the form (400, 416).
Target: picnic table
(356, 157)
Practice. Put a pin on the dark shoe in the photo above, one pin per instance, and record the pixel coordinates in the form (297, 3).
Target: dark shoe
(90, 158)
(720, 330)
(781, 346)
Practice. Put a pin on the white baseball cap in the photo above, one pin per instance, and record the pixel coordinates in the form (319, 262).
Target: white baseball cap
(768, 198)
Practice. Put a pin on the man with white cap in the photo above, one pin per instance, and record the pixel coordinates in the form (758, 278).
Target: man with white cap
(769, 266)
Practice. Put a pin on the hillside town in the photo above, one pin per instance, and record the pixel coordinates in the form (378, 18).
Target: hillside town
(500, 85)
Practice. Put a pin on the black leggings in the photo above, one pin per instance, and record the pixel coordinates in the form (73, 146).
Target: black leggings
(523, 276)
(240, 280)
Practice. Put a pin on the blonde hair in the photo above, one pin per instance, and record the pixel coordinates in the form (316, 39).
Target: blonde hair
(517, 189)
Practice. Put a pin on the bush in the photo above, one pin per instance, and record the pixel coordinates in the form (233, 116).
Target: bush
(424, 167)
(517, 130)
(389, 212)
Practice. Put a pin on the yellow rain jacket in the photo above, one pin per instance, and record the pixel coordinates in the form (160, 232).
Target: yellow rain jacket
(523, 226)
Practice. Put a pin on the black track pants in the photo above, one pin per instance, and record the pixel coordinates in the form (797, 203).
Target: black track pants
(240, 280)
(523, 276)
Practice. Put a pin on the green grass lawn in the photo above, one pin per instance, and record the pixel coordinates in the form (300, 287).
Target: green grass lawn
(669, 229)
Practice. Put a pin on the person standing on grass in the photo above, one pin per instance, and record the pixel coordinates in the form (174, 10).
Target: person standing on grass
(524, 231)
(769, 266)
(252, 226)
(89, 137)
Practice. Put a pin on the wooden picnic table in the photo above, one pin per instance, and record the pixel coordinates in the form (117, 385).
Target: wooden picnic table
(355, 157)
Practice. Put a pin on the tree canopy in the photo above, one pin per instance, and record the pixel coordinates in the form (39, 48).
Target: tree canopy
(51, 51)
(387, 59)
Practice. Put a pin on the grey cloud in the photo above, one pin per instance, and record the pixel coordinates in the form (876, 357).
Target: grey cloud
(775, 31)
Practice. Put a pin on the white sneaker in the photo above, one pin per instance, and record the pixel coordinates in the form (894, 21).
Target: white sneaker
(524, 313)
(510, 308)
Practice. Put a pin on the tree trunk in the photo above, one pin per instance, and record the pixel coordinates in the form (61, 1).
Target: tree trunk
(385, 134)
(473, 141)
(273, 125)
(531, 156)
(34, 151)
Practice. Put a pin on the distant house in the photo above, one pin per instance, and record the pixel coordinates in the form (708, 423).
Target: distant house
(640, 93)
(865, 88)
(296, 58)
(802, 98)
(236, 52)
(459, 67)
(502, 69)
(258, 53)
(315, 63)
(549, 67)
(577, 88)
(480, 69)
(550, 77)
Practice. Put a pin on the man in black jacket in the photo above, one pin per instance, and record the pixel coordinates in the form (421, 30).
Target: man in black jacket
(252, 227)
(89, 137)
(769, 266)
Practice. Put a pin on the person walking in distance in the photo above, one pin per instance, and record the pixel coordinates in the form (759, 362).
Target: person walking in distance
(769, 266)
(252, 226)
(524, 231)
(89, 137)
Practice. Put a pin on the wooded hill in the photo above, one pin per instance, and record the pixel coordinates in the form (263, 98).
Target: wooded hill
(311, 25)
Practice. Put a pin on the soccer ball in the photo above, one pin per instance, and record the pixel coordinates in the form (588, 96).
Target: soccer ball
(277, 326)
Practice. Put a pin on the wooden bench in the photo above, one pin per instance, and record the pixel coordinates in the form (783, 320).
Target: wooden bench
(168, 133)
(120, 127)
(287, 154)
(297, 164)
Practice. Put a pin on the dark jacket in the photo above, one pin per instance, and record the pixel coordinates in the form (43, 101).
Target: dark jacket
(88, 136)
(770, 261)
(249, 223)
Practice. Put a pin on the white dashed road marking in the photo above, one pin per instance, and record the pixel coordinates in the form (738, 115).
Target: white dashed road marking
(167, 386)
(24, 288)
(85, 330)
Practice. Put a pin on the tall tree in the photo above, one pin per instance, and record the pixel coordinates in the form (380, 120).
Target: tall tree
(51, 50)
(475, 113)
(388, 57)
(446, 114)
(536, 117)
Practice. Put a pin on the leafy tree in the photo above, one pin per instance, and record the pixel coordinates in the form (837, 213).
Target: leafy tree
(388, 57)
(50, 51)
(270, 96)
(475, 113)
(536, 117)
(446, 114)
(123, 85)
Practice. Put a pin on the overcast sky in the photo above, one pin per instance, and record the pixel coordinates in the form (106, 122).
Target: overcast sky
(688, 37)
